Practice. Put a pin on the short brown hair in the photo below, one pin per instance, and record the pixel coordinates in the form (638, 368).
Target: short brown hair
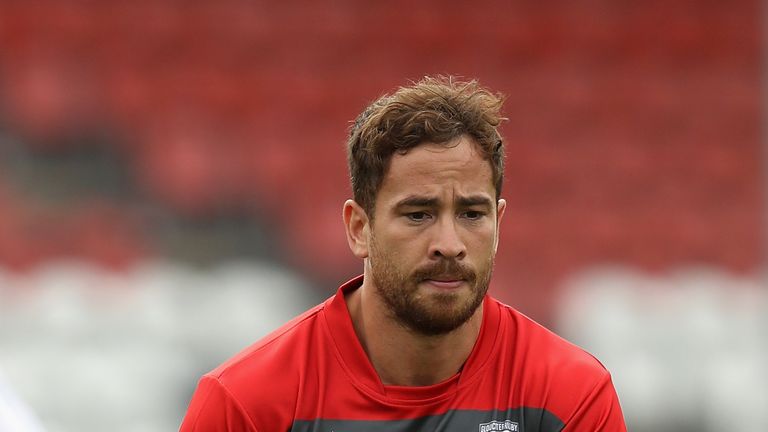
(435, 109)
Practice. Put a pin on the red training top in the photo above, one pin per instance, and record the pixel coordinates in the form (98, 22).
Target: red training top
(312, 374)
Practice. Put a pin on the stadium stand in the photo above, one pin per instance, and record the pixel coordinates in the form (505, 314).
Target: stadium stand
(90, 349)
(642, 138)
(687, 346)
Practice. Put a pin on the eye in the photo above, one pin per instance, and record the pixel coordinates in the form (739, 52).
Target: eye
(473, 214)
(417, 216)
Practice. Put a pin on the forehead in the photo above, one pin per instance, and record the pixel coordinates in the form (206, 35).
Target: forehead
(457, 167)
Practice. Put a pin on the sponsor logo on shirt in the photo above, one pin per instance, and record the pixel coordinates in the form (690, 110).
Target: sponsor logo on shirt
(499, 426)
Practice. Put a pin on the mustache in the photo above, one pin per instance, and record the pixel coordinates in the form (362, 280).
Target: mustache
(445, 269)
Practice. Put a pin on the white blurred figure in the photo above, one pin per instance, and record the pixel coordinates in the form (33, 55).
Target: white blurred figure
(15, 416)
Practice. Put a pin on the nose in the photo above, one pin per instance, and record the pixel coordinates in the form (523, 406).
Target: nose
(447, 242)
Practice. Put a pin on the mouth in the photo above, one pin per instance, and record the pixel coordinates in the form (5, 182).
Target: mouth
(445, 283)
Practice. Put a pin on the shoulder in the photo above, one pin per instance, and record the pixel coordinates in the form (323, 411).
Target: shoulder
(549, 350)
(260, 385)
(553, 368)
(561, 376)
(270, 356)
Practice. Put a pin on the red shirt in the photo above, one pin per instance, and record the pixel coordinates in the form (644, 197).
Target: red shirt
(313, 375)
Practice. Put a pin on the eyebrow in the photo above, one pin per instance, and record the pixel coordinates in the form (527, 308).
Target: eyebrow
(417, 201)
(475, 200)
(425, 201)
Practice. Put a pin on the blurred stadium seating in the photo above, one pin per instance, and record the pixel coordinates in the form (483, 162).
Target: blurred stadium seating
(91, 350)
(687, 349)
(638, 123)
(201, 132)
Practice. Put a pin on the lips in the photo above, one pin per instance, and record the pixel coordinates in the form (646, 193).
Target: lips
(445, 274)
(445, 283)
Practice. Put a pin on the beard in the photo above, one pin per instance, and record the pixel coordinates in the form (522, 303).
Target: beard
(428, 313)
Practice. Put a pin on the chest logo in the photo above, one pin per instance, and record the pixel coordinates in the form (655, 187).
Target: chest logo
(499, 426)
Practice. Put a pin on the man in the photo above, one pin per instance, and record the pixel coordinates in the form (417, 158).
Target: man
(415, 344)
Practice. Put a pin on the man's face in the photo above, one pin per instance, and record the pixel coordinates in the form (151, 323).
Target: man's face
(433, 235)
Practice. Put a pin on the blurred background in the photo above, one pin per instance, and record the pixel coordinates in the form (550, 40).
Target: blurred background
(172, 175)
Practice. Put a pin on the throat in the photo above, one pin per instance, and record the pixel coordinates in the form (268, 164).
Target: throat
(418, 367)
(401, 356)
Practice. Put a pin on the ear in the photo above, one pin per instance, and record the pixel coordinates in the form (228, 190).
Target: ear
(356, 224)
(500, 208)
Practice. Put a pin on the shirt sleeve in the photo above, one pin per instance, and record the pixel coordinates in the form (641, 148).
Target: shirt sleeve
(600, 411)
(214, 409)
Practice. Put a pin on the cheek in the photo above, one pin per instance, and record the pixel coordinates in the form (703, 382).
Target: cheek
(483, 241)
(401, 239)
(402, 254)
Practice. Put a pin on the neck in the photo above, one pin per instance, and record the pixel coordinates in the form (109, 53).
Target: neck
(402, 356)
